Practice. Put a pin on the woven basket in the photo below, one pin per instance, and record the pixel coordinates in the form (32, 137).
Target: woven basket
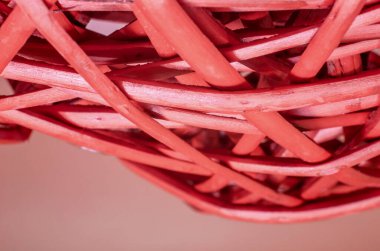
(260, 110)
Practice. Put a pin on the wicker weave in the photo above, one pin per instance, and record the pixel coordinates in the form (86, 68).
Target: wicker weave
(259, 110)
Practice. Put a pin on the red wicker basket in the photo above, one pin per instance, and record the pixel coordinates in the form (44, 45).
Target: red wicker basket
(260, 110)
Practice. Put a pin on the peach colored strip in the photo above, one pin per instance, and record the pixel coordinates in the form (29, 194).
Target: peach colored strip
(287, 136)
(11, 38)
(164, 49)
(203, 99)
(327, 38)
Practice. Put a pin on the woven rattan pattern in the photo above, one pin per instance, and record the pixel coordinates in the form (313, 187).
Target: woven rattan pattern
(253, 110)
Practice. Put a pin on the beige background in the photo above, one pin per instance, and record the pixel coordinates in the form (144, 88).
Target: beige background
(54, 196)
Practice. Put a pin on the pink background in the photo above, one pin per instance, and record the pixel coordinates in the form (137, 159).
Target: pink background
(54, 196)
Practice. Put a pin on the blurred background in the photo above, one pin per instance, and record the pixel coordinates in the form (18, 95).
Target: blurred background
(55, 196)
